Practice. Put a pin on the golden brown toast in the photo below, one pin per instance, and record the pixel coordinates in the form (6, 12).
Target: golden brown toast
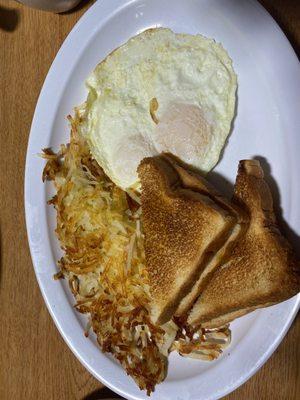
(183, 231)
(191, 179)
(262, 269)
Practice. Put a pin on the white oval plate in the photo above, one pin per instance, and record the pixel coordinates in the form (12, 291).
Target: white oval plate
(267, 125)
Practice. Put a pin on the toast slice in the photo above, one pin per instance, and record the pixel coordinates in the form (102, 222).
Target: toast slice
(191, 179)
(262, 269)
(183, 229)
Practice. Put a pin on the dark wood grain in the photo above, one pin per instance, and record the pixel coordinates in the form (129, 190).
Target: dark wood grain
(35, 363)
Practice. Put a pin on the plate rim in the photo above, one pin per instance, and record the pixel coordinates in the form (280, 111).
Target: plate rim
(108, 9)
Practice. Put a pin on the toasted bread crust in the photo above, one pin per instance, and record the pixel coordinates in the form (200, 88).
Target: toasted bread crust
(231, 316)
(262, 270)
(182, 228)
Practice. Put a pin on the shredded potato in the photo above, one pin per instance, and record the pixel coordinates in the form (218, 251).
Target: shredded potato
(99, 229)
(206, 344)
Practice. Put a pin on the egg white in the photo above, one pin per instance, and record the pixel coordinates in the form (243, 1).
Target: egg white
(191, 80)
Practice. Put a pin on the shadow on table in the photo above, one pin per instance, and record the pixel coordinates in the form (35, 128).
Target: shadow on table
(9, 19)
(102, 394)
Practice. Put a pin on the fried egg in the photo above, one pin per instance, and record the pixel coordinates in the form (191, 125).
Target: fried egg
(159, 92)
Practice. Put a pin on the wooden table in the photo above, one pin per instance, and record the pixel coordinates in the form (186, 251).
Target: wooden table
(35, 363)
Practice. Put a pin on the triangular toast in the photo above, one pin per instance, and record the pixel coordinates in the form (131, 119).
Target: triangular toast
(184, 230)
(262, 269)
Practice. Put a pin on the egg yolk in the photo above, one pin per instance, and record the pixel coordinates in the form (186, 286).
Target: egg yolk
(184, 131)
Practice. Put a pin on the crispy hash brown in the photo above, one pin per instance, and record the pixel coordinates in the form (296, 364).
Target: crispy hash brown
(99, 230)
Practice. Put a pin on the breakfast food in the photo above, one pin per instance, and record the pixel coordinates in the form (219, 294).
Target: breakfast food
(231, 257)
(192, 180)
(100, 232)
(103, 259)
(262, 269)
(155, 256)
(187, 232)
(159, 92)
